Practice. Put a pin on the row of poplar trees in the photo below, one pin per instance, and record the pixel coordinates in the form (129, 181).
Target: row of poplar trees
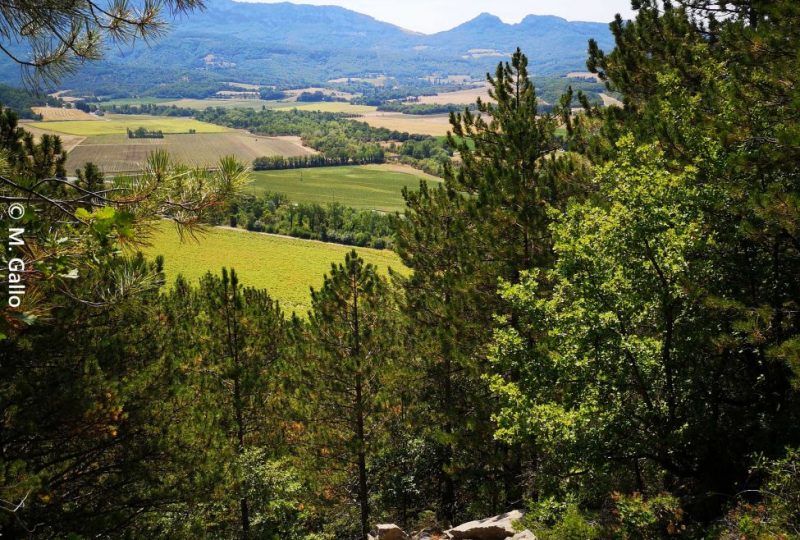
(601, 326)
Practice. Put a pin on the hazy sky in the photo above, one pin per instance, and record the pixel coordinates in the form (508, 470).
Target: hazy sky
(430, 16)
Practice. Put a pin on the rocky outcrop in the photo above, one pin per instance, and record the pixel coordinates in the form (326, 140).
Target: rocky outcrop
(500, 527)
(389, 531)
(493, 528)
(428, 534)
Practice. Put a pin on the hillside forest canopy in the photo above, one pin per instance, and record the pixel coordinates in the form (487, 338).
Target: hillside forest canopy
(597, 322)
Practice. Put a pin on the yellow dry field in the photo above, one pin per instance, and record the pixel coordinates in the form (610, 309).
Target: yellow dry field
(460, 97)
(435, 125)
(57, 114)
(60, 95)
(68, 142)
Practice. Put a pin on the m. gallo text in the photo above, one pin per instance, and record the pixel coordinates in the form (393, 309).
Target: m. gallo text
(16, 270)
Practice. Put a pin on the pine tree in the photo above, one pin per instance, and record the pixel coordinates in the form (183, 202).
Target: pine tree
(58, 35)
(489, 222)
(242, 336)
(352, 343)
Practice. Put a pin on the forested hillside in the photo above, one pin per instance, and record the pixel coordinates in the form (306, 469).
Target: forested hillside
(288, 44)
(597, 321)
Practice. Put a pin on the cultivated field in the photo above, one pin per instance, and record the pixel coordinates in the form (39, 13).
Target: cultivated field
(460, 97)
(286, 267)
(370, 187)
(116, 124)
(55, 114)
(68, 142)
(435, 125)
(118, 153)
(258, 104)
(331, 106)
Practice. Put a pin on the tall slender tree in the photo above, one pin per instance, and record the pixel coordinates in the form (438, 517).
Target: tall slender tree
(353, 341)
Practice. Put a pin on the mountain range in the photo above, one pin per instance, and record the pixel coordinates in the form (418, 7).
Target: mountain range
(295, 44)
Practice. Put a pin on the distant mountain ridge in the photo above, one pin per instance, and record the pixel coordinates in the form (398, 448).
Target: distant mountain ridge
(287, 43)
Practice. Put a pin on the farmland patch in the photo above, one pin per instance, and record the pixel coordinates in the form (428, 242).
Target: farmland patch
(117, 153)
(286, 267)
(55, 114)
(433, 124)
(368, 187)
(118, 124)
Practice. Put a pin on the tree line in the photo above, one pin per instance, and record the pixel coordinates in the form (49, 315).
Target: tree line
(277, 163)
(144, 133)
(152, 109)
(332, 222)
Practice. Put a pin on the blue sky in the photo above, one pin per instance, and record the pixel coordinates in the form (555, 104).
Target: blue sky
(430, 16)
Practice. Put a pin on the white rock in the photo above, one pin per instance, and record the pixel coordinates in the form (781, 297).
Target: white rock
(389, 531)
(493, 528)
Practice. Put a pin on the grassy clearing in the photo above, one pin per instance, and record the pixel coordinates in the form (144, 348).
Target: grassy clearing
(286, 267)
(117, 124)
(118, 153)
(369, 187)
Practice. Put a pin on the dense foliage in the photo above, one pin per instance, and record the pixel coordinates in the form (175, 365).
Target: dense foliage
(602, 328)
(410, 107)
(151, 109)
(330, 133)
(334, 222)
(21, 100)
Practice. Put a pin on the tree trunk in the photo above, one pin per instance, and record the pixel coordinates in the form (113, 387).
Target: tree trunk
(363, 493)
(447, 483)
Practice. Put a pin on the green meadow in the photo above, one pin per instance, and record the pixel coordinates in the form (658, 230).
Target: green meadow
(369, 187)
(286, 267)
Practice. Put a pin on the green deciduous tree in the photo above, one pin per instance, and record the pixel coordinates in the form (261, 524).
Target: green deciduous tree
(664, 336)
